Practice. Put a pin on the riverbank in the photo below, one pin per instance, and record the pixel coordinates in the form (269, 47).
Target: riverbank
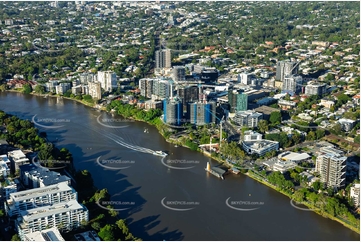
(313, 208)
(62, 97)
(164, 128)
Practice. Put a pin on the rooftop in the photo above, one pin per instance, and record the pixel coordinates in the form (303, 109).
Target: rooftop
(36, 192)
(48, 177)
(51, 234)
(45, 211)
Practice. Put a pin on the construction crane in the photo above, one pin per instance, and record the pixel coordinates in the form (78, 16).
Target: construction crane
(221, 121)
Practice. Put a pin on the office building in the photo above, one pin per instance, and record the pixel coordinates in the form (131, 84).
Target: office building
(292, 84)
(209, 75)
(188, 94)
(247, 118)
(172, 111)
(285, 68)
(34, 176)
(315, 89)
(245, 78)
(198, 69)
(108, 80)
(65, 216)
(331, 165)
(200, 113)
(17, 158)
(254, 144)
(39, 197)
(163, 59)
(179, 73)
(51, 234)
(237, 101)
(95, 90)
(266, 111)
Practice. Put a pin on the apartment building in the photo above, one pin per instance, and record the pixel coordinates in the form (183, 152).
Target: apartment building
(51, 234)
(33, 176)
(163, 59)
(65, 216)
(4, 169)
(355, 194)
(108, 80)
(285, 68)
(95, 90)
(331, 165)
(200, 113)
(247, 118)
(315, 89)
(39, 197)
(17, 158)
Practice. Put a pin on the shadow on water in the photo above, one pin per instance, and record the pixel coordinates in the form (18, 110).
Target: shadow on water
(125, 191)
(141, 226)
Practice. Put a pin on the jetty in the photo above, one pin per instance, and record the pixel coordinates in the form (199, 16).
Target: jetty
(218, 172)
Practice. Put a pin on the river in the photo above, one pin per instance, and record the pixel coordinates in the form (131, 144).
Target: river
(161, 202)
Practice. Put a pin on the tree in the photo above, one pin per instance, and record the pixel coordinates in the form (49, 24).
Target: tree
(275, 118)
(317, 185)
(336, 129)
(311, 135)
(263, 125)
(40, 89)
(320, 133)
(96, 226)
(27, 88)
(107, 233)
(15, 238)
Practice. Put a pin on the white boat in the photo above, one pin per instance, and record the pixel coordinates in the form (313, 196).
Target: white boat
(146, 131)
(176, 146)
(160, 153)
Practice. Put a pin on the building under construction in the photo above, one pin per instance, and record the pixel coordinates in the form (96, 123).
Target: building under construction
(200, 113)
(173, 111)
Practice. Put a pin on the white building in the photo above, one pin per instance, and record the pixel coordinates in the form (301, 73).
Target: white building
(254, 144)
(65, 216)
(355, 194)
(17, 158)
(108, 80)
(95, 90)
(8, 188)
(34, 176)
(310, 178)
(39, 197)
(51, 234)
(331, 165)
(346, 124)
(62, 88)
(4, 169)
(247, 118)
(283, 166)
(246, 78)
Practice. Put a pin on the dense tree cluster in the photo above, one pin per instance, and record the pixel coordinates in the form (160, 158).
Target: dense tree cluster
(127, 110)
(104, 221)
